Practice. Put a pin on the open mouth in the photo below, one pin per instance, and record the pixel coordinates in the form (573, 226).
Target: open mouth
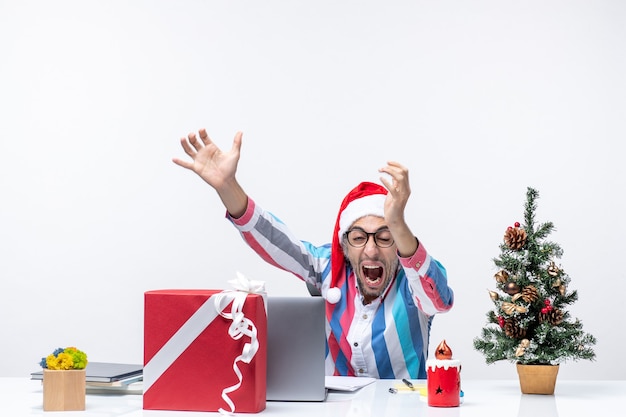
(373, 275)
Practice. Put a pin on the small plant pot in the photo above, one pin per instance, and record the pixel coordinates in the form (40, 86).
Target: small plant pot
(64, 390)
(537, 379)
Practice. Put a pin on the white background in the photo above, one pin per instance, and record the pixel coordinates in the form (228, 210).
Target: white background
(480, 99)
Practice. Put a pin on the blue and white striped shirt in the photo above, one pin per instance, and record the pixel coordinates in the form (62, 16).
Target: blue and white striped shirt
(387, 338)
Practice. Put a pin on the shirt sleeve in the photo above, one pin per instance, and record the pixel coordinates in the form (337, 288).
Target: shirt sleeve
(274, 242)
(428, 281)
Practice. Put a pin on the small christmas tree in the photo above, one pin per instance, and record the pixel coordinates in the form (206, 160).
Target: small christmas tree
(530, 323)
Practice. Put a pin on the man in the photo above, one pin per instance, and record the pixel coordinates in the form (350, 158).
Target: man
(381, 287)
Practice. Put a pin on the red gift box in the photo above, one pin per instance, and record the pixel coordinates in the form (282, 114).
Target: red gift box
(191, 362)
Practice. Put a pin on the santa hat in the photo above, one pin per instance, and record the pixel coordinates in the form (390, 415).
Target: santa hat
(364, 200)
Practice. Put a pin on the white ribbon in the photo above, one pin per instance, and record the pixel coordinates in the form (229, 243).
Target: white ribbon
(241, 326)
(247, 285)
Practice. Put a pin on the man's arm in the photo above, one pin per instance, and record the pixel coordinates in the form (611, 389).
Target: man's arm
(427, 277)
(398, 194)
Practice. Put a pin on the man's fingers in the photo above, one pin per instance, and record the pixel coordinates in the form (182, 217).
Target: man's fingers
(182, 163)
(187, 148)
(237, 142)
(193, 140)
(204, 136)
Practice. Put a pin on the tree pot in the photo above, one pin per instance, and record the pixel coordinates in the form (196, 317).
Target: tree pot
(537, 379)
(64, 390)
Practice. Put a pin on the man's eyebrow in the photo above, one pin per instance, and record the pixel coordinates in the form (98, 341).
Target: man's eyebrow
(380, 229)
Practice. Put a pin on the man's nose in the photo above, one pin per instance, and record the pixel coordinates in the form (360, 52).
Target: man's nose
(370, 245)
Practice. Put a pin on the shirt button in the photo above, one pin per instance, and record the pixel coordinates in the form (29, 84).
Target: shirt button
(361, 370)
(364, 316)
(356, 344)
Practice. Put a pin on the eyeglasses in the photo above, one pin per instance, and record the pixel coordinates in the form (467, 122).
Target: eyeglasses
(358, 238)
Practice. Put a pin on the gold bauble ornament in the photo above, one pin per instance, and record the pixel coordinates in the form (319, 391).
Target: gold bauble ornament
(493, 295)
(511, 288)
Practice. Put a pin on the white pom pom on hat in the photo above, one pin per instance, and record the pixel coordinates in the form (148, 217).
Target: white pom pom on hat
(366, 199)
(333, 295)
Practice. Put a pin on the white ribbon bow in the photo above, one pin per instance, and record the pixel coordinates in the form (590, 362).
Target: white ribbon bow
(241, 326)
(247, 285)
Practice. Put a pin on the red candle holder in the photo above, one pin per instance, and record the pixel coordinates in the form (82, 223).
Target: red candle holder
(443, 378)
(444, 383)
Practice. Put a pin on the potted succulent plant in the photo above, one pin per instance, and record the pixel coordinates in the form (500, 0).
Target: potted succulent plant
(530, 324)
(64, 385)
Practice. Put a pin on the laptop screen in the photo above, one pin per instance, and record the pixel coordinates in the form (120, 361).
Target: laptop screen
(296, 349)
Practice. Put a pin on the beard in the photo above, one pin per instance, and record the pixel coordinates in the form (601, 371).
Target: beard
(372, 281)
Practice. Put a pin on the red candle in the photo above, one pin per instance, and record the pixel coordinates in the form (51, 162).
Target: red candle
(443, 378)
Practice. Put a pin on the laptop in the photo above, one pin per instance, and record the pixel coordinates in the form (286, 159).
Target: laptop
(296, 349)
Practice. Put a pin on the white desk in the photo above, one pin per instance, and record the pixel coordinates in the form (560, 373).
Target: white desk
(23, 397)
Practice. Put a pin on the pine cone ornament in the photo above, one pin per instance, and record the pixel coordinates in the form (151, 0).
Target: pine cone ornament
(529, 293)
(515, 238)
(512, 329)
(552, 316)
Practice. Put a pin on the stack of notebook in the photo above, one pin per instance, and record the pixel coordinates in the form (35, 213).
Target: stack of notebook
(102, 376)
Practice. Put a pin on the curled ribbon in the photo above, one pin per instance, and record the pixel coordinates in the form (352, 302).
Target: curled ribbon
(241, 326)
